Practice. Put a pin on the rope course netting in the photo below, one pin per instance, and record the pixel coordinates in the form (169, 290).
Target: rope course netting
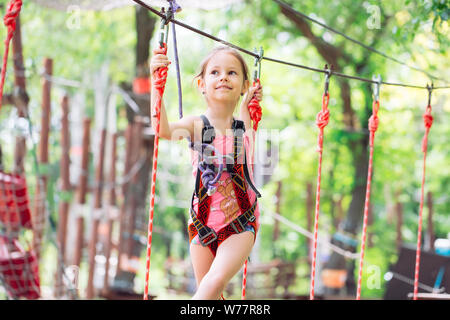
(18, 266)
(19, 256)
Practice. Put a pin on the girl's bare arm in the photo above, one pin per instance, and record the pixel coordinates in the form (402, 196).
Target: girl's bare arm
(176, 130)
(244, 113)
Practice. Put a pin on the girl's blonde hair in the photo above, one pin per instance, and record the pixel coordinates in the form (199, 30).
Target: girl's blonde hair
(226, 49)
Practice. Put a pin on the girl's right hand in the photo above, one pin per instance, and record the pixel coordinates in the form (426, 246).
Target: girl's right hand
(159, 60)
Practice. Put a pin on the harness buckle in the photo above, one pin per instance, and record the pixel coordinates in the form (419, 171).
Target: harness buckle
(233, 225)
(211, 235)
(244, 218)
(208, 134)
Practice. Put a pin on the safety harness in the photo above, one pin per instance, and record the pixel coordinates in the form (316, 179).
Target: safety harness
(241, 180)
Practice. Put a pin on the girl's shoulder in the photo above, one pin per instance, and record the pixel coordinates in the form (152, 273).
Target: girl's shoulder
(191, 118)
(188, 122)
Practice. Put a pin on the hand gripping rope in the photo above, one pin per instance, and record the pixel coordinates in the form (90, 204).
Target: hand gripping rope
(321, 121)
(428, 122)
(255, 111)
(254, 108)
(159, 80)
(373, 126)
(10, 22)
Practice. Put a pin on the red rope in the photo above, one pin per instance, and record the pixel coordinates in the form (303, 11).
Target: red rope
(244, 279)
(373, 126)
(159, 80)
(321, 121)
(255, 109)
(428, 121)
(10, 22)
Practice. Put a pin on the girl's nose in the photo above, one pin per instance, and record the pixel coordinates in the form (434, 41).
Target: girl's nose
(223, 77)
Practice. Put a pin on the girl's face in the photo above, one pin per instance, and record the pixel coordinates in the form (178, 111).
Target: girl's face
(223, 79)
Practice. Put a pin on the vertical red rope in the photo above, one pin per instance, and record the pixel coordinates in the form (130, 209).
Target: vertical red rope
(10, 22)
(321, 121)
(428, 121)
(159, 81)
(255, 112)
(373, 126)
(244, 279)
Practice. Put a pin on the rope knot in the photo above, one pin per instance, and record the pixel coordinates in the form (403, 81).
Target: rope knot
(322, 118)
(11, 15)
(373, 123)
(428, 118)
(324, 115)
(208, 177)
(373, 120)
(10, 22)
(255, 111)
(428, 122)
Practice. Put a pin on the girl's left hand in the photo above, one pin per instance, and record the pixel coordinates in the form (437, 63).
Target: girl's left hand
(254, 91)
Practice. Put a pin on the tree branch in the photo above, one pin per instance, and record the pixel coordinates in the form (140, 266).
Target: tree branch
(331, 54)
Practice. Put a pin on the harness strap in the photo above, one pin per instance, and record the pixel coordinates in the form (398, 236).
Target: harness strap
(208, 132)
(247, 176)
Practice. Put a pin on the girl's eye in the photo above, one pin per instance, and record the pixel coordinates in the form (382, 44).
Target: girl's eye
(232, 72)
(214, 72)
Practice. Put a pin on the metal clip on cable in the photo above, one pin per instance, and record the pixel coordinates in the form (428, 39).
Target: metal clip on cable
(257, 72)
(430, 89)
(328, 72)
(376, 87)
(164, 26)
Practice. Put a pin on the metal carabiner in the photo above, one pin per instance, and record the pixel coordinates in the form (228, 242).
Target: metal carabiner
(257, 72)
(376, 87)
(328, 72)
(430, 89)
(164, 26)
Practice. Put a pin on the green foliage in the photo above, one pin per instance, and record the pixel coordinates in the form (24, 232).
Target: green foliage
(412, 31)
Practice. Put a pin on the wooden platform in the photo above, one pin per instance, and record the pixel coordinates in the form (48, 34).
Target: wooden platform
(122, 295)
(430, 296)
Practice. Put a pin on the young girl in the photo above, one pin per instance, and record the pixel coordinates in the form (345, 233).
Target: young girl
(219, 252)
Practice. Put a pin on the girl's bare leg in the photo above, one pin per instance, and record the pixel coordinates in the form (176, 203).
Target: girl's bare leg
(229, 259)
(202, 259)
